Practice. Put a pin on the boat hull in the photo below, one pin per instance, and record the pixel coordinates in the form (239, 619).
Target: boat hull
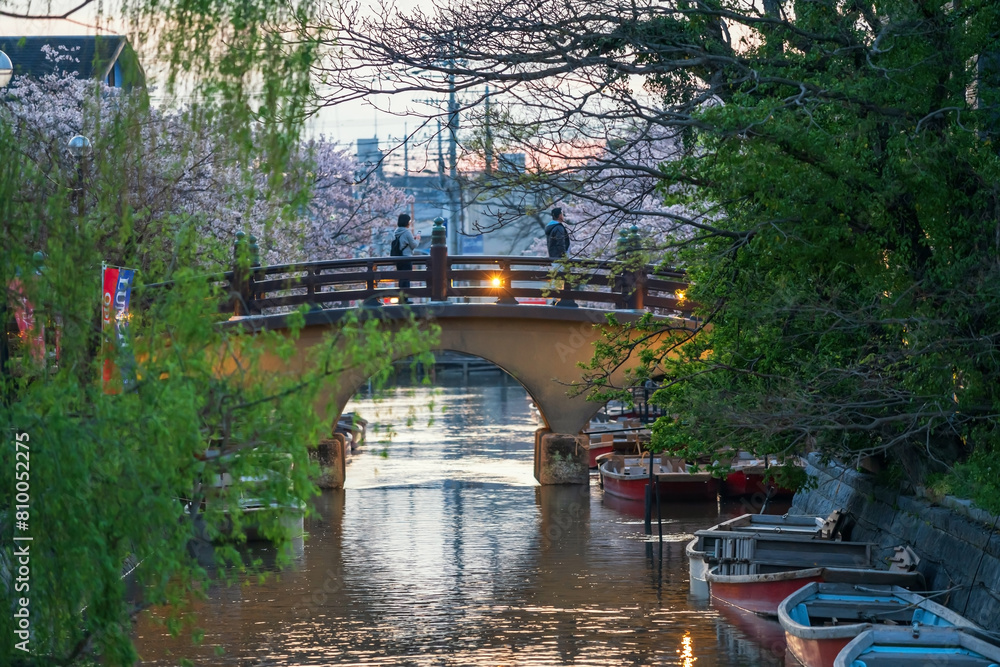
(635, 489)
(697, 570)
(629, 489)
(762, 593)
(819, 620)
(595, 449)
(816, 652)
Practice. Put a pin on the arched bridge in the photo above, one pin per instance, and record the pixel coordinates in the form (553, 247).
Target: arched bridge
(532, 317)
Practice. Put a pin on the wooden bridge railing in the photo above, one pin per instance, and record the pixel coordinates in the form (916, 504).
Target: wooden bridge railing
(438, 277)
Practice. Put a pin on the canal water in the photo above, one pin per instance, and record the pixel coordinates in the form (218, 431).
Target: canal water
(442, 550)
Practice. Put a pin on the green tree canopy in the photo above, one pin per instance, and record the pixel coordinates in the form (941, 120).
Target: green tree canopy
(841, 161)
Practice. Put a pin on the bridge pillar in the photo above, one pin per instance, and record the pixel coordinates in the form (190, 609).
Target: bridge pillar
(561, 458)
(439, 272)
(331, 455)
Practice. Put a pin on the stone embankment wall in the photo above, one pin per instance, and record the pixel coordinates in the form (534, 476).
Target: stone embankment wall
(959, 546)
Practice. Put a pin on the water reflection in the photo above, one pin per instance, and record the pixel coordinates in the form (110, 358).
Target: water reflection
(445, 552)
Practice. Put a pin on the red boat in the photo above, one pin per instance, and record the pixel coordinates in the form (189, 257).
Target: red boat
(747, 478)
(598, 447)
(625, 437)
(762, 593)
(628, 476)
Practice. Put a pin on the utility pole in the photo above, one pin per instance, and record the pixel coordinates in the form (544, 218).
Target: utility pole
(488, 148)
(406, 158)
(441, 181)
(453, 189)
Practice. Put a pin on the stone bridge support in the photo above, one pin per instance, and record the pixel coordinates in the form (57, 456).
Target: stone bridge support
(561, 458)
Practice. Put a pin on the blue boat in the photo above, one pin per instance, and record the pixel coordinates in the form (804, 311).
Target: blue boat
(901, 646)
(820, 619)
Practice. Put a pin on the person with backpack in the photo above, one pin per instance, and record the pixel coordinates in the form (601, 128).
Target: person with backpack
(557, 240)
(403, 245)
(556, 236)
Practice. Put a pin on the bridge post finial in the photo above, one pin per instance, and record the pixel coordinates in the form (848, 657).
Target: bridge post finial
(239, 288)
(251, 293)
(438, 278)
(638, 297)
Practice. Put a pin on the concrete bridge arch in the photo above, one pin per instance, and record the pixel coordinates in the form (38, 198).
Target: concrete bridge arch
(540, 347)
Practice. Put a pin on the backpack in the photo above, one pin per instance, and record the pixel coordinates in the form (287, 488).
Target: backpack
(394, 249)
(551, 238)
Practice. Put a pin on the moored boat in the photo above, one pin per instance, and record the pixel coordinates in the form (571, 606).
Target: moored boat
(628, 476)
(625, 437)
(820, 619)
(814, 533)
(894, 646)
(597, 447)
(761, 593)
(748, 476)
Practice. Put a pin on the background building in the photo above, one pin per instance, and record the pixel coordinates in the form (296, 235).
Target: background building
(108, 58)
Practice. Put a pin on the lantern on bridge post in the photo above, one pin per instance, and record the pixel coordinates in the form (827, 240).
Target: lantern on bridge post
(502, 284)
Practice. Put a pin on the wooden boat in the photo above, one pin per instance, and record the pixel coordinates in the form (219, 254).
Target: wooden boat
(718, 544)
(893, 646)
(628, 476)
(611, 437)
(747, 477)
(763, 631)
(353, 428)
(819, 619)
(762, 593)
(257, 518)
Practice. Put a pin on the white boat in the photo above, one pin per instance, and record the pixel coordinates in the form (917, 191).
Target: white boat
(717, 544)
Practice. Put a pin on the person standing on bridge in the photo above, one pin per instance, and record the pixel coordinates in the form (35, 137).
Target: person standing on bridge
(403, 245)
(557, 239)
(556, 235)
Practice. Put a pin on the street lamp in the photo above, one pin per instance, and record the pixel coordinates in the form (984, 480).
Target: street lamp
(6, 69)
(79, 148)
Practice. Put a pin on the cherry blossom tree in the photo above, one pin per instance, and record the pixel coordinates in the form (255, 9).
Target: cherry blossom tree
(621, 188)
(177, 173)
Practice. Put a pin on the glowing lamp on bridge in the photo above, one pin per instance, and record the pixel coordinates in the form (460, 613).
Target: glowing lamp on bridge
(680, 295)
(497, 281)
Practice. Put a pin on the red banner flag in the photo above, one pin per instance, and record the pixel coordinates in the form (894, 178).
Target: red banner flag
(107, 325)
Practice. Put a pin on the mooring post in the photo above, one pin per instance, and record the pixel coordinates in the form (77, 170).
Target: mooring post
(438, 274)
